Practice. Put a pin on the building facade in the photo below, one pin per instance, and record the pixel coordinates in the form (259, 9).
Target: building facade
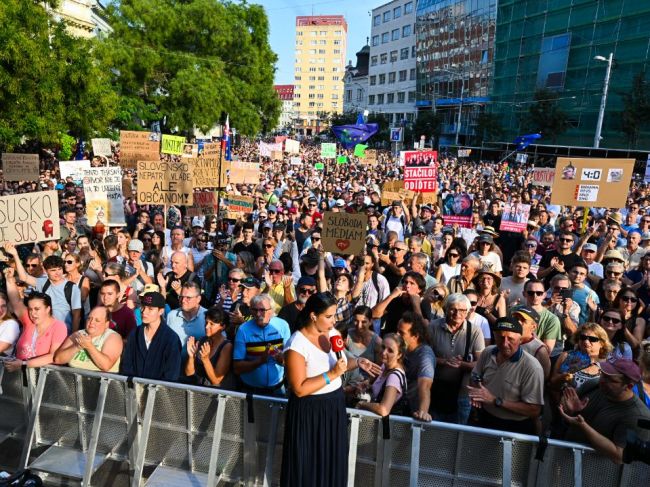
(285, 93)
(561, 48)
(321, 43)
(355, 83)
(83, 18)
(392, 70)
(455, 52)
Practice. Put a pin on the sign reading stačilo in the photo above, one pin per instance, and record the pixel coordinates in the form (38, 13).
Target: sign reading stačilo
(165, 183)
(344, 233)
(30, 217)
(20, 167)
(421, 171)
(103, 191)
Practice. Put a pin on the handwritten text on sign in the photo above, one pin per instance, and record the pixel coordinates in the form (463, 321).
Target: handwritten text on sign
(543, 176)
(20, 167)
(206, 172)
(344, 233)
(138, 146)
(103, 190)
(164, 183)
(29, 217)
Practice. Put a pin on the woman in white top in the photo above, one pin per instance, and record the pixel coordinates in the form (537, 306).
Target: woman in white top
(9, 329)
(315, 449)
(451, 265)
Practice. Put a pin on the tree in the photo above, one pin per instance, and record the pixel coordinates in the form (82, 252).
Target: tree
(488, 128)
(189, 62)
(545, 115)
(636, 104)
(429, 124)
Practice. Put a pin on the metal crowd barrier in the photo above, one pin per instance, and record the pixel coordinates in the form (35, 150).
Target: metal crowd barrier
(102, 429)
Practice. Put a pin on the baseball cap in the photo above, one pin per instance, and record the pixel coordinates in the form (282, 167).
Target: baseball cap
(508, 323)
(279, 226)
(621, 366)
(526, 311)
(425, 207)
(419, 229)
(306, 281)
(590, 247)
(249, 282)
(149, 288)
(267, 224)
(645, 236)
(339, 263)
(153, 299)
(486, 238)
(272, 208)
(340, 203)
(135, 245)
(396, 203)
(198, 221)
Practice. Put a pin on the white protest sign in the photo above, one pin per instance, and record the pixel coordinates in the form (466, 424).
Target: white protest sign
(543, 176)
(103, 191)
(102, 147)
(30, 217)
(292, 146)
(73, 169)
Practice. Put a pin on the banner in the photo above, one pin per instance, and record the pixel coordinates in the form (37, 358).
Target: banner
(319, 166)
(244, 172)
(292, 146)
(421, 171)
(103, 192)
(464, 152)
(30, 217)
(164, 183)
(328, 150)
(172, 144)
(190, 150)
(521, 158)
(20, 167)
(543, 176)
(238, 206)
(344, 233)
(204, 203)
(592, 182)
(341, 159)
(138, 146)
(102, 147)
(514, 217)
(206, 172)
(457, 209)
(73, 169)
(266, 150)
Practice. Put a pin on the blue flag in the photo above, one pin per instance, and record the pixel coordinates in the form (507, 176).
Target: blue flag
(351, 135)
(524, 141)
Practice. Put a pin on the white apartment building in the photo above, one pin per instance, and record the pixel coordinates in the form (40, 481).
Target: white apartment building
(392, 70)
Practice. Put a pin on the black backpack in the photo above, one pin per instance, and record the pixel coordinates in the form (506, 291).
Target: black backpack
(401, 407)
(69, 286)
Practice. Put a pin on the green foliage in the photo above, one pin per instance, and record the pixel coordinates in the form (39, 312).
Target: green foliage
(488, 128)
(190, 62)
(67, 145)
(545, 115)
(636, 106)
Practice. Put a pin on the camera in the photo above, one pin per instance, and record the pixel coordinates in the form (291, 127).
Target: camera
(566, 294)
(637, 450)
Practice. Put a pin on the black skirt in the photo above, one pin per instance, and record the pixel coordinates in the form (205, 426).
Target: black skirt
(315, 449)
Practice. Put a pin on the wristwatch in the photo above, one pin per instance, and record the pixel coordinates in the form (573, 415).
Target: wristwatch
(498, 402)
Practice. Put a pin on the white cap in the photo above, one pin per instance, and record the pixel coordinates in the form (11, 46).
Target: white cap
(198, 221)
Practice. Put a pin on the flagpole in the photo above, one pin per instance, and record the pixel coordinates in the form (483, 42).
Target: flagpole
(219, 222)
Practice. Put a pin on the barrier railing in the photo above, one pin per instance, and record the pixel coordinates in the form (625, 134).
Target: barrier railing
(86, 426)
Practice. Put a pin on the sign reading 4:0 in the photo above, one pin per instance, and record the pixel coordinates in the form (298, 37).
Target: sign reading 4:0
(591, 174)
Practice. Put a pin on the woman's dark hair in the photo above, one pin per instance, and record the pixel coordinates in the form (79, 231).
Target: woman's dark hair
(317, 304)
(216, 315)
(38, 295)
(618, 340)
(287, 261)
(462, 252)
(628, 290)
(161, 234)
(363, 310)
(324, 205)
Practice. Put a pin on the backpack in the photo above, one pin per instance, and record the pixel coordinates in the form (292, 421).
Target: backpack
(69, 286)
(401, 407)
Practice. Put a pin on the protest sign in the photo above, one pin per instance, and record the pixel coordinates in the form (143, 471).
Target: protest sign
(164, 183)
(328, 150)
(138, 146)
(30, 217)
(211, 150)
(206, 172)
(266, 150)
(20, 167)
(280, 138)
(646, 177)
(242, 172)
(172, 144)
(238, 206)
(341, 159)
(370, 157)
(277, 155)
(292, 146)
(296, 161)
(103, 191)
(514, 217)
(190, 150)
(319, 166)
(543, 176)
(457, 209)
(102, 147)
(592, 182)
(360, 150)
(521, 158)
(204, 203)
(421, 171)
(344, 233)
(73, 169)
(464, 152)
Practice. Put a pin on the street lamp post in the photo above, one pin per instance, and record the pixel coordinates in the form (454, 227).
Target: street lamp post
(603, 101)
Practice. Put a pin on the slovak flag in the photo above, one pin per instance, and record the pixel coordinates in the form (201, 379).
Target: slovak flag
(225, 141)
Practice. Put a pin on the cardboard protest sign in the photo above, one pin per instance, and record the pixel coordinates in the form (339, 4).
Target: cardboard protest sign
(73, 169)
(30, 217)
(138, 146)
(360, 150)
(242, 172)
(266, 150)
(421, 171)
(457, 209)
(103, 191)
(543, 176)
(328, 150)
(211, 150)
(344, 233)
(464, 152)
(292, 146)
(165, 183)
(190, 150)
(521, 158)
(206, 172)
(390, 191)
(20, 167)
(514, 217)
(172, 144)
(277, 155)
(204, 203)
(370, 157)
(238, 206)
(102, 147)
(592, 182)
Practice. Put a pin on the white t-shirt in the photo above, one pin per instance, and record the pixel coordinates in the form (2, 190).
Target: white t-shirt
(318, 362)
(9, 333)
(492, 261)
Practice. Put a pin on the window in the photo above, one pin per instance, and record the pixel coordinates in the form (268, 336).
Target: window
(360, 94)
(312, 87)
(393, 56)
(321, 78)
(397, 12)
(312, 70)
(373, 80)
(385, 37)
(312, 78)
(335, 104)
(335, 69)
(391, 78)
(335, 78)
(337, 42)
(413, 51)
(313, 42)
(321, 51)
(323, 42)
(394, 35)
(380, 99)
(311, 96)
(337, 32)
(371, 99)
(390, 98)
(382, 79)
(320, 96)
(320, 87)
(400, 97)
(312, 103)
(375, 40)
(408, 7)
(298, 78)
(387, 16)
(402, 75)
(411, 96)
(376, 20)
(412, 74)
(406, 30)
(384, 58)
(323, 32)
(299, 33)
(373, 61)
(404, 53)
(337, 51)
(335, 96)
(298, 69)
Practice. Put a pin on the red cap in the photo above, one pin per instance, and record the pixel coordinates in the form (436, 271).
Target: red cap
(337, 343)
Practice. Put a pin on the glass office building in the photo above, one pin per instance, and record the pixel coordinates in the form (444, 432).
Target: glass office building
(551, 45)
(455, 51)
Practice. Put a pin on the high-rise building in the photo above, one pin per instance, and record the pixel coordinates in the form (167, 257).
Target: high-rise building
(455, 51)
(285, 93)
(321, 41)
(563, 48)
(392, 74)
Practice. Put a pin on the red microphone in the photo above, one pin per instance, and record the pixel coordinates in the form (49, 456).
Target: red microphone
(337, 345)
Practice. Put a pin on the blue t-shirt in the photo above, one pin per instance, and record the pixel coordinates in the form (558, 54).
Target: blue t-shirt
(61, 310)
(580, 297)
(251, 341)
(185, 329)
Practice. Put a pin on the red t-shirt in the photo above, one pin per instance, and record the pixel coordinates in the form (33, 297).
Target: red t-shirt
(123, 321)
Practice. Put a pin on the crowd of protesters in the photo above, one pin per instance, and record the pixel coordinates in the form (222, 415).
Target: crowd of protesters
(540, 331)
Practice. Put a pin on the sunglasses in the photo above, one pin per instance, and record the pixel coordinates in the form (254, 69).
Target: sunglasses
(234, 279)
(566, 240)
(69, 262)
(610, 319)
(531, 245)
(275, 271)
(473, 303)
(629, 299)
(306, 291)
(31, 266)
(589, 338)
(535, 293)
(268, 246)
(315, 239)
(454, 255)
